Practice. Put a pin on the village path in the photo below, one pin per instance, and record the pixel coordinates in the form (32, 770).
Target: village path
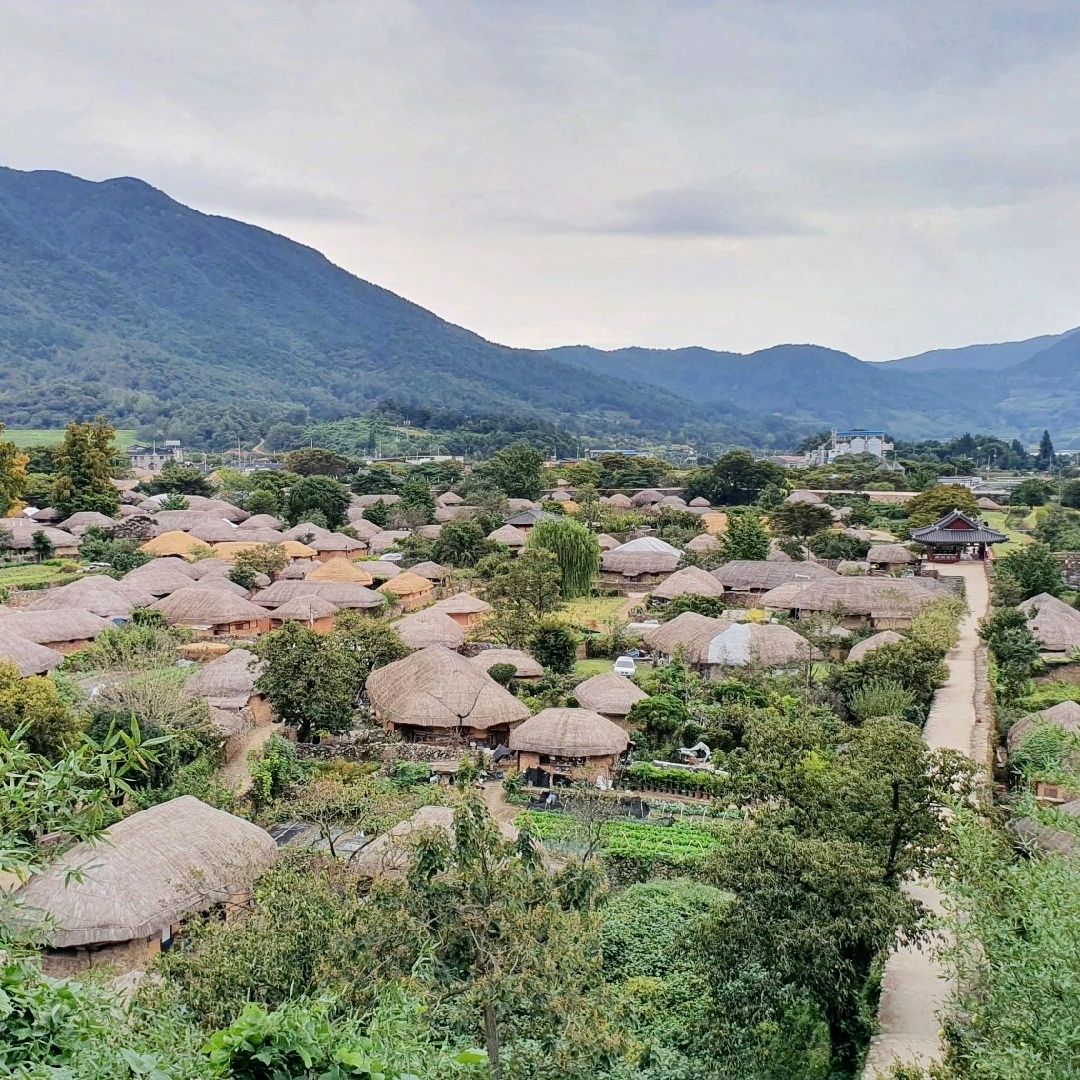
(914, 987)
(234, 774)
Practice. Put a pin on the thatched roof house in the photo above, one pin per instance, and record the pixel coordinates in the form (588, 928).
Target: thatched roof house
(227, 682)
(78, 523)
(689, 581)
(159, 579)
(386, 540)
(619, 501)
(198, 569)
(761, 575)
(561, 741)
(887, 556)
(148, 873)
(293, 548)
(340, 570)
(262, 521)
(430, 627)
(885, 602)
(703, 544)
(606, 542)
(217, 531)
(886, 637)
(464, 608)
(746, 644)
(315, 612)
(101, 595)
(1055, 624)
(985, 503)
(1065, 715)
(438, 695)
(174, 543)
(688, 634)
(22, 531)
(525, 667)
(610, 695)
(646, 497)
(364, 501)
(344, 594)
(647, 557)
(380, 569)
(801, 495)
(700, 503)
(28, 657)
(852, 567)
(409, 590)
(213, 612)
(186, 520)
(430, 570)
(508, 535)
(449, 498)
(65, 631)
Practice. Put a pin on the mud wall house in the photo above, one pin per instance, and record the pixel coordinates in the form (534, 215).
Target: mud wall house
(638, 564)
(64, 631)
(311, 611)
(610, 695)
(140, 881)
(211, 612)
(408, 591)
(558, 746)
(65, 546)
(437, 696)
(464, 608)
(228, 683)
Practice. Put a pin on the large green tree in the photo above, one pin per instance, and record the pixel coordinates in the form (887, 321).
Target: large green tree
(746, 538)
(321, 494)
(178, 478)
(800, 520)
(737, 479)
(461, 543)
(934, 503)
(13, 463)
(517, 470)
(85, 460)
(574, 547)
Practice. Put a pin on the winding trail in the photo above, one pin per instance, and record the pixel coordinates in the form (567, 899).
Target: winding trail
(914, 986)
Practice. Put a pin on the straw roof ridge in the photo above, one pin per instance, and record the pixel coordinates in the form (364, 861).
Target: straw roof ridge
(462, 603)
(430, 627)
(43, 627)
(174, 542)
(158, 580)
(569, 733)
(645, 555)
(609, 694)
(207, 605)
(689, 581)
(262, 521)
(147, 873)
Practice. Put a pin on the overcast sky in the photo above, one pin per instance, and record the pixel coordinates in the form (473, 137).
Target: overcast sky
(876, 176)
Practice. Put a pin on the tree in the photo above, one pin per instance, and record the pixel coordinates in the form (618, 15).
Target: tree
(800, 520)
(263, 501)
(746, 538)
(13, 478)
(662, 719)
(576, 550)
(1031, 492)
(1045, 458)
(933, 504)
(461, 543)
(737, 479)
(1014, 647)
(553, 645)
(43, 546)
(176, 478)
(378, 513)
(517, 471)
(315, 461)
(416, 498)
(1027, 571)
(175, 501)
(33, 706)
(916, 667)
(318, 493)
(532, 580)
(97, 545)
(268, 559)
(84, 469)
(1070, 494)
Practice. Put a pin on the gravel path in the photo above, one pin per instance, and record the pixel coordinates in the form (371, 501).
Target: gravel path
(914, 987)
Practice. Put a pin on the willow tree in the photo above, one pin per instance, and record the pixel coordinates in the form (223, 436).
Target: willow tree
(576, 550)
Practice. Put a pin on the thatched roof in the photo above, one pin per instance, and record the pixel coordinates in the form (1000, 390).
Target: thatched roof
(260, 534)
(386, 540)
(335, 541)
(606, 542)
(305, 609)
(201, 567)
(984, 503)
(262, 521)
(674, 502)
(198, 606)
(390, 855)
(222, 583)
(758, 644)
(461, 603)
(443, 514)
(173, 543)
(346, 594)
(1037, 839)
(217, 506)
(646, 555)
(438, 688)
(158, 579)
(429, 532)
(700, 502)
(646, 497)
(430, 627)
(620, 501)
(517, 505)
(430, 570)
(450, 498)
(852, 567)
(227, 682)
(715, 521)
(305, 529)
(877, 597)
(101, 595)
(337, 569)
(689, 581)
(78, 523)
(610, 694)
(365, 501)
(569, 733)
(886, 637)
(147, 873)
(892, 554)
(380, 569)
(22, 534)
(407, 584)
(1055, 624)
(186, 520)
(293, 548)
(216, 531)
(508, 535)
(688, 633)
(760, 575)
(800, 495)
(45, 627)
(27, 656)
(1065, 715)
(525, 667)
(703, 542)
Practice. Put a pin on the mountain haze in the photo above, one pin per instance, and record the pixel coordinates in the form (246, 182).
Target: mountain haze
(116, 298)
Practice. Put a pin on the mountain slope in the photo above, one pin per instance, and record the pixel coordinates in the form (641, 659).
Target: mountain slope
(992, 357)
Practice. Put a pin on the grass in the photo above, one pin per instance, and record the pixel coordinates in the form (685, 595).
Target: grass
(34, 575)
(592, 612)
(587, 668)
(26, 438)
(997, 520)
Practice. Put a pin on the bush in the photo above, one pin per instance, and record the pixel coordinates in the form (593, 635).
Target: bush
(502, 673)
(938, 624)
(274, 768)
(554, 647)
(878, 698)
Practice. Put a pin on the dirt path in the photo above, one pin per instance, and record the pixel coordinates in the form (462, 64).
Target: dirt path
(498, 807)
(914, 987)
(235, 774)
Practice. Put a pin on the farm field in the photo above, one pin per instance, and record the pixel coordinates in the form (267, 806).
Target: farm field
(997, 520)
(29, 437)
(32, 575)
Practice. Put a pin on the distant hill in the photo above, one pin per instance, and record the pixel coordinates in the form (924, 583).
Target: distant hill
(116, 298)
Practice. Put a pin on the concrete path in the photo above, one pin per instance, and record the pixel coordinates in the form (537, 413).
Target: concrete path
(914, 987)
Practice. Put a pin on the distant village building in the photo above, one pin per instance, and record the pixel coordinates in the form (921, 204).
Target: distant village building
(845, 443)
(154, 457)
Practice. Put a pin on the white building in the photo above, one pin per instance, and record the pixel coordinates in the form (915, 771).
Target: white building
(844, 443)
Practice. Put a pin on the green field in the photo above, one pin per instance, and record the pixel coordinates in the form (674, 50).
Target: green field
(33, 575)
(30, 437)
(588, 668)
(997, 520)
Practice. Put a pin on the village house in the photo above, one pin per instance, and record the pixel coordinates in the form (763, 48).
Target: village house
(211, 612)
(409, 591)
(639, 564)
(430, 627)
(559, 746)
(526, 669)
(64, 631)
(1055, 624)
(27, 657)
(957, 536)
(464, 608)
(610, 695)
(314, 612)
(752, 578)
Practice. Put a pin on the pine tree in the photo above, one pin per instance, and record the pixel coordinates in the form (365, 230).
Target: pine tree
(745, 538)
(1045, 459)
(85, 460)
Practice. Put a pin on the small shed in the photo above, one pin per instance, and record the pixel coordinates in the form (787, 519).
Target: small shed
(561, 745)
(210, 612)
(464, 608)
(314, 611)
(228, 683)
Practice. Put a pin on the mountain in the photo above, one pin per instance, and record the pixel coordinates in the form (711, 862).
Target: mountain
(116, 298)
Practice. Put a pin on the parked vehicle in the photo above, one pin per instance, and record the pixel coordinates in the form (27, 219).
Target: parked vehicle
(625, 665)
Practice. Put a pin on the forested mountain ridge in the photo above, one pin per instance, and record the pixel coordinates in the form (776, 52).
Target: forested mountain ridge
(116, 298)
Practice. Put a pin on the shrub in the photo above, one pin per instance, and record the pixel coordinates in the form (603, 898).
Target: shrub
(879, 698)
(938, 624)
(502, 673)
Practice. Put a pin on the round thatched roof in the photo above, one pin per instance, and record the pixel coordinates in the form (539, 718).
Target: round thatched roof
(688, 633)
(878, 597)
(430, 570)
(78, 523)
(406, 584)
(610, 694)
(215, 532)
(380, 569)
(886, 637)
(101, 595)
(645, 555)
(345, 594)
(689, 581)
(1055, 624)
(227, 682)
(892, 554)
(370, 500)
(28, 657)
(1065, 715)
(801, 495)
(620, 501)
(338, 569)
(201, 567)
(438, 688)
(525, 667)
(703, 542)
(150, 871)
(700, 502)
(174, 542)
(293, 548)
(646, 497)
(450, 498)
(44, 627)
(305, 529)
(334, 541)
(262, 521)
(569, 733)
(222, 583)
(606, 542)
(508, 535)
(197, 606)
(745, 575)
(386, 540)
(759, 645)
(160, 580)
(305, 609)
(430, 627)
(365, 530)
(462, 603)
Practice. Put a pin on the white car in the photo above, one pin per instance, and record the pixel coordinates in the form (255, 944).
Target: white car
(625, 665)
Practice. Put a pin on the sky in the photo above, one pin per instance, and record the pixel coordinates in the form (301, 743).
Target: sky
(879, 177)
